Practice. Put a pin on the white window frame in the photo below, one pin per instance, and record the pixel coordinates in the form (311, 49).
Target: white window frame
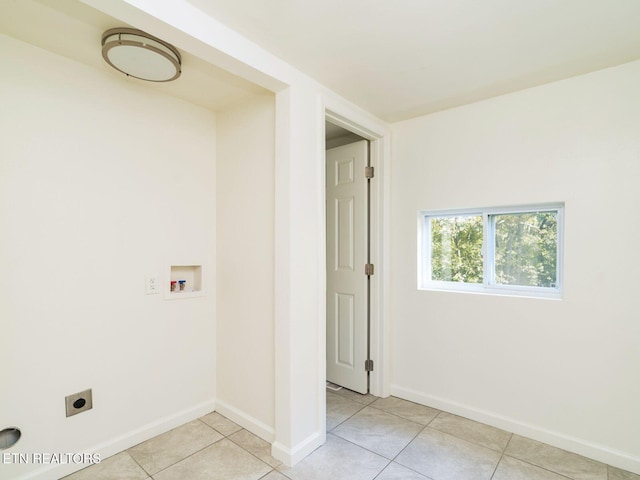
(488, 252)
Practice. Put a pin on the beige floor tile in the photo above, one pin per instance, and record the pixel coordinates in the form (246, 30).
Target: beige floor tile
(514, 469)
(224, 460)
(356, 397)
(378, 431)
(404, 408)
(397, 472)
(171, 447)
(255, 445)
(472, 431)
(337, 459)
(275, 475)
(118, 467)
(222, 424)
(444, 457)
(340, 408)
(450, 448)
(557, 460)
(617, 474)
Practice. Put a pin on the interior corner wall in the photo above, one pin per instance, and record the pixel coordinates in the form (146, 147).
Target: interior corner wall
(102, 181)
(245, 262)
(565, 372)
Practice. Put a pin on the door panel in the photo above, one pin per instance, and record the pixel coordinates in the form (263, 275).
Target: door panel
(344, 327)
(344, 234)
(346, 257)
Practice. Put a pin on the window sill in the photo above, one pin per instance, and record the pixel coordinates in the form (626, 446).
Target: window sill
(524, 292)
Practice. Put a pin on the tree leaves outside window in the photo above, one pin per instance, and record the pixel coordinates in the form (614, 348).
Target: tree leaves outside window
(526, 249)
(521, 248)
(456, 249)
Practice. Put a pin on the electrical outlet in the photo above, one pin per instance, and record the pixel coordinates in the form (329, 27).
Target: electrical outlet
(78, 402)
(151, 285)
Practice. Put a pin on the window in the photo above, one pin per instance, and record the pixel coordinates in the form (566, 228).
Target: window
(514, 250)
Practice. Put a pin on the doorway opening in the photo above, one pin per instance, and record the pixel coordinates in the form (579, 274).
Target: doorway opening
(349, 264)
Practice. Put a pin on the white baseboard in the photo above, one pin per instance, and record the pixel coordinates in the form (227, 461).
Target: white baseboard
(123, 442)
(288, 456)
(600, 453)
(247, 422)
(291, 456)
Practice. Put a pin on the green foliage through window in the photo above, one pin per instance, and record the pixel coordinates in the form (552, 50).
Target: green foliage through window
(526, 249)
(456, 249)
(521, 248)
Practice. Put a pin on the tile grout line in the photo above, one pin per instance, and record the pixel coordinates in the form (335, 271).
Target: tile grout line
(136, 462)
(371, 404)
(389, 461)
(505, 454)
(400, 452)
(383, 469)
(365, 448)
(217, 431)
(182, 459)
(466, 440)
(346, 397)
(330, 432)
(502, 452)
(547, 469)
(228, 437)
(352, 393)
(251, 453)
(204, 448)
(355, 444)
(501, 457)
(348, 418)
(541, 467)
(188, 456)
(405, 418)
(396, 415)
(440, 412)
(283, 474)
(407, 446)
(484, 424)
(270, 472)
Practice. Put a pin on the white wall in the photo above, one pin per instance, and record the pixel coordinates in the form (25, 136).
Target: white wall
(299, 297)
(299, 303)
(564, 371)
(245, 265)
(101, 182)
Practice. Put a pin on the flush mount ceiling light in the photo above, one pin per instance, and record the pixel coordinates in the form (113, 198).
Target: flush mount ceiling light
(140, 55)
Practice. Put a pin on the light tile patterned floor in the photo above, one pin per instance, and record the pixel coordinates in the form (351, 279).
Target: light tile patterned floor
(368, 438)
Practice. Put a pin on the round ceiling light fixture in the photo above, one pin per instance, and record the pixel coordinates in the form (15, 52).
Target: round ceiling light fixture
(140, 55)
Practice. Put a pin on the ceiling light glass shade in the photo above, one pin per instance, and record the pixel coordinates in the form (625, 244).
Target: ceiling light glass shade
(140, 55)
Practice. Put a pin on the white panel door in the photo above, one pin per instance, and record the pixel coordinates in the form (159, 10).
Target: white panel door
(346, 258)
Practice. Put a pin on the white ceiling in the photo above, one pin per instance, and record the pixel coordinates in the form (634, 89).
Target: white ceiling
(397, 59)
(403, 58)
(74, 30)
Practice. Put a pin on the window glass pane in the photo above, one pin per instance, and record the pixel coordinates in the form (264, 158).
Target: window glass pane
(526, 249)
(456, 248)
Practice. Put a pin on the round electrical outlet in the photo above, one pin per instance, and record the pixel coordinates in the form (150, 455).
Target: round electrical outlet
(9, 437)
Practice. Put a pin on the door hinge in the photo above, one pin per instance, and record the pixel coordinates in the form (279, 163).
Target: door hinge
(368, 172)
(368, 269)
(368, 365)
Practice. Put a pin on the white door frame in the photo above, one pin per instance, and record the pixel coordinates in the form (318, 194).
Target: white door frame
(379, 140)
